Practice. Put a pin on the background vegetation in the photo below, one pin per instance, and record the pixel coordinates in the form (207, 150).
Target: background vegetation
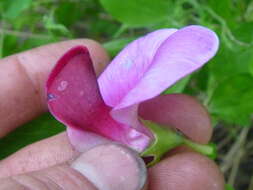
(225, 85)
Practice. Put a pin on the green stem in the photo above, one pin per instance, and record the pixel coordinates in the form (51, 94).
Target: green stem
(166, 139)
(2, 40)
(205, 149)
(120, 31)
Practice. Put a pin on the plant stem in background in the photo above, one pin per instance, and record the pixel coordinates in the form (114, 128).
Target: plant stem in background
(122, 29)
(233, 152)
(24, 34)
(1, 39)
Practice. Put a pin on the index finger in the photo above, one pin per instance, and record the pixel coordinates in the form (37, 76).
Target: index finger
(23, 76)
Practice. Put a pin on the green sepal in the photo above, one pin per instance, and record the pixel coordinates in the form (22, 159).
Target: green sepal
(164, 140)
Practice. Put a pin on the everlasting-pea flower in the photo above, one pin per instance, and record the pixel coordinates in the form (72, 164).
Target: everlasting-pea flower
(108, 106)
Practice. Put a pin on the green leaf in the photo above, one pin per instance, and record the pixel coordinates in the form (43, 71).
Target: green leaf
(251, 68)
(225, 9)
(232, 100)
(36, 42)
(231, 62)
(246, 29)
(43, 127)
(248, 12)
(115, 46)
(15, 8)
(229, 187)
(64, 8)
(138, 12)
(9, 45)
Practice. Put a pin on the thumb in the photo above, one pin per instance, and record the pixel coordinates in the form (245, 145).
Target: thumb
(105, 167)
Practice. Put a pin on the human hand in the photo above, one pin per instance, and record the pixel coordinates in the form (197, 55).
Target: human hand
(54, 164)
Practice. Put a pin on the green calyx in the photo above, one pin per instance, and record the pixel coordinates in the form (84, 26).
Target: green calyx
(166, 139)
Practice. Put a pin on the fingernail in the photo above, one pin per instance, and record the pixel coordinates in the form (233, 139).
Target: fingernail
(112, 167)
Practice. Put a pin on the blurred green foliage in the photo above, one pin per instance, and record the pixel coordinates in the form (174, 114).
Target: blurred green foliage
(138, 13)
(224, 85)
(42, 127)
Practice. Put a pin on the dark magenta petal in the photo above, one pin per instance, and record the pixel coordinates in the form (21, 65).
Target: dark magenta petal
(72, 90)
(74, 99)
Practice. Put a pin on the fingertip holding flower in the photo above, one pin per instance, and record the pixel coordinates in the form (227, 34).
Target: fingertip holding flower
(142, 70)
(180, 111)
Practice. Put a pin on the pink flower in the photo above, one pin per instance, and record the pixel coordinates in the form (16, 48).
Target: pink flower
(108, 106)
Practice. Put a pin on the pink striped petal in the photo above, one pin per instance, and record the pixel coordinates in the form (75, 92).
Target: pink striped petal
(182, 53)
(124, 72)
(149, 65)
(128, 67)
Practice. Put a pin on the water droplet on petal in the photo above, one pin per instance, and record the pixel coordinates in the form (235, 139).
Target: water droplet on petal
(50, 97)
(133, 134)
(128, 64)
(63, 85)
(81, 93)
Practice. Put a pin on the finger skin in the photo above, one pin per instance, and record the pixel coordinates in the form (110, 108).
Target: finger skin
(179, 111)
(175, 169)
(105, 167)
(58, 177)
(23, 76)
(186, 171)
(38, 156)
